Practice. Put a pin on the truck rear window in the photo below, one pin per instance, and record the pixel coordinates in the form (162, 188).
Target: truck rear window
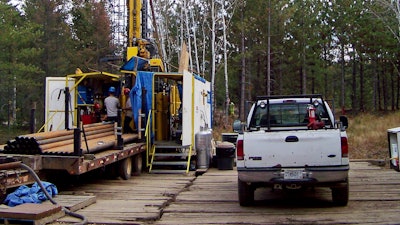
(284, 115)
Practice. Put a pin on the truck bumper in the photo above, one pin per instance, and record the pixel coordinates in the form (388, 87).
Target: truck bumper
(316, 175)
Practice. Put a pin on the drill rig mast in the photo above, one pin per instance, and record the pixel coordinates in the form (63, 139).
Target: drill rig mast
(139, 44)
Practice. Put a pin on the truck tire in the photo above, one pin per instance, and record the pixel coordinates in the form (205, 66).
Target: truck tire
(340, 195)
(125, 168)
(246, 193)
(137, 165)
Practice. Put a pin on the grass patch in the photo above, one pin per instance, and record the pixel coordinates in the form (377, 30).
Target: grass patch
(367, 134)
(8, 133)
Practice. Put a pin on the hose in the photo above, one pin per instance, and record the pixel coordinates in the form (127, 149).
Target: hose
(37, 179)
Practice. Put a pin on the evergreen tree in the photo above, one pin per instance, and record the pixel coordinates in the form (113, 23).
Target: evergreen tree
(92, 35)
(20, 74)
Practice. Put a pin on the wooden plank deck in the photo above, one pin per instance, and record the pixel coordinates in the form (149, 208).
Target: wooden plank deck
(212, 199)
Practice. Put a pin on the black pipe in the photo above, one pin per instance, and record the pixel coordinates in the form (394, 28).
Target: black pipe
(66, 106)
(120, 140)
(77, 142)
(32, 118)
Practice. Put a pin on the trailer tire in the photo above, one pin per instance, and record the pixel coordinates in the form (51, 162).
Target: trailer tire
(125, 168)
(137, 165)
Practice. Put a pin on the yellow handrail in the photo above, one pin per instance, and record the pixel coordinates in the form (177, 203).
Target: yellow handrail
(48, 120)
(147, 134)
(189, 158)
(153, 152)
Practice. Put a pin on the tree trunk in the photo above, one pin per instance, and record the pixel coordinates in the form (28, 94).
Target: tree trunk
(362, 107)
(189, 41)
(225, 63)
(213, 54)
(354, 84)
(243, 70)
(393, 97)
(342, 93)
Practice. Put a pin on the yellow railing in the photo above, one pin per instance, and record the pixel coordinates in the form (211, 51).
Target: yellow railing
(189, 158)
(153, 153)
(48, 120)
(147, 134)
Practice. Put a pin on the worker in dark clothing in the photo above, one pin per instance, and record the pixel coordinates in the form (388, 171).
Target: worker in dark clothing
(128, 112)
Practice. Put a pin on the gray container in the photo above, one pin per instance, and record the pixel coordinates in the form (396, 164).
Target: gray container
(226, 152)
(203, 148)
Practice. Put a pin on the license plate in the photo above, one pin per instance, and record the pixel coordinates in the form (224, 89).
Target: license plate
(293, 174)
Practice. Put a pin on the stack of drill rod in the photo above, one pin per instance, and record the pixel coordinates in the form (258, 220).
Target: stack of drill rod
(94, 137)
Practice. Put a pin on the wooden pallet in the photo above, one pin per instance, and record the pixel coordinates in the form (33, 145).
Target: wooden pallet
(46, 212)
(31, 212)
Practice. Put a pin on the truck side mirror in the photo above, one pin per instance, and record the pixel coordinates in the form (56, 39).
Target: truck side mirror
(237, 126)
(344, 121)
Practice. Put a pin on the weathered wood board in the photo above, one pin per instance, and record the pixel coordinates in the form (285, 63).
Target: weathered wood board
(212, 199)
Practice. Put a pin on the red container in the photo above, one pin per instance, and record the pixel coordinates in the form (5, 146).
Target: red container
(86, 119)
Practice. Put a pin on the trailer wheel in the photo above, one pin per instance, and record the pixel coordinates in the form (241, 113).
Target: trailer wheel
(246, 193)
(137, 165)
(125, 168)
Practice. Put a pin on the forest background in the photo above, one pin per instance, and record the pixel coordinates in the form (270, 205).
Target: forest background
(346, 50)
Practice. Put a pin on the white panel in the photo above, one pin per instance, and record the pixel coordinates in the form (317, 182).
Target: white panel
(55, 101)
(187, 108)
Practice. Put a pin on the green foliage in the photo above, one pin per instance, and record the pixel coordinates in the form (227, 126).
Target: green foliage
(307, 42)
(91, 34)
(17, 61)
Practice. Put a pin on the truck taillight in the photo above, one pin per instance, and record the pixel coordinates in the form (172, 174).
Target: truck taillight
(345, 147)
(239, 150)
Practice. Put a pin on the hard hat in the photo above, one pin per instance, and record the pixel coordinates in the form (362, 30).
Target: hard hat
(126, 91)
(111, 89)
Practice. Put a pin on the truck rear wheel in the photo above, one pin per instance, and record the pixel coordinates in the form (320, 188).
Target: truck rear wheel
(246, 193)
(137, 165)
(125, 168)
(340, 195)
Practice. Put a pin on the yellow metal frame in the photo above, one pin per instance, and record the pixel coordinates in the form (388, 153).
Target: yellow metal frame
(82, 76)
(189, 159)
(79, 77)
(134, 7)
(149, 146)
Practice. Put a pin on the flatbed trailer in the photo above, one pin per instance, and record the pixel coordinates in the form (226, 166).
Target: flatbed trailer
(125, 159)
(77, 165)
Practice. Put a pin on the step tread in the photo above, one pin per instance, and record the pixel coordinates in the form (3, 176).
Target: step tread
(168, 171)
(169, 163)
(171, 154)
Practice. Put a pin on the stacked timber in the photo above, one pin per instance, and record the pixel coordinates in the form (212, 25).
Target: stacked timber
(94, 137)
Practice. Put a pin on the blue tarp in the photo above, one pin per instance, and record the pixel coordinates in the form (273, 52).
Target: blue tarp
(135, 64)
(24, 194)
(144, 80)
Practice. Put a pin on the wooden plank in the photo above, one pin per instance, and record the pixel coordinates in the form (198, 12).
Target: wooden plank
(212, 198)
(29, 211)
(73, 202)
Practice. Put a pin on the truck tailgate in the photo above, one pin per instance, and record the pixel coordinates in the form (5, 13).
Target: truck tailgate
(292, 148)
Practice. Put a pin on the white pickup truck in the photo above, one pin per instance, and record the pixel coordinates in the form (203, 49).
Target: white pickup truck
(292, 142)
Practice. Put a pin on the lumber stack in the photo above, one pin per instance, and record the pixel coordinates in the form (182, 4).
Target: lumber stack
(94, 137)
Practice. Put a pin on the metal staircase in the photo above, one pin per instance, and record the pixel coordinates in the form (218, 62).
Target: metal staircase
(170, 158)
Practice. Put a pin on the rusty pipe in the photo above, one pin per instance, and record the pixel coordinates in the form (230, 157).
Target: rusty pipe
(10, 165)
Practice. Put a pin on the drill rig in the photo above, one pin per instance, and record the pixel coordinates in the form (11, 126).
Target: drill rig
(171, 110)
